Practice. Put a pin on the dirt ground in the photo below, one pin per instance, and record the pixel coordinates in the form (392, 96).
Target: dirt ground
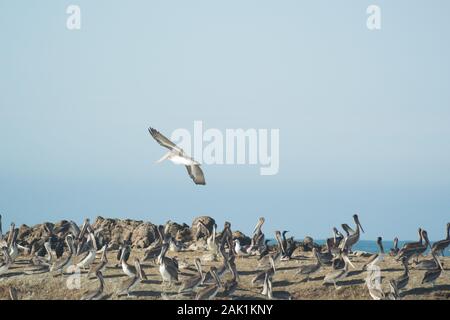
(285, 282)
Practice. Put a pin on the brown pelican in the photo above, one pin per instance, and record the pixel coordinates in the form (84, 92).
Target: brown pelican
(394, 251)
(326, 258)
(209, 292)
(402, 281)
(178, 156)
(127, 285)
(96, 294)
(168, 268)
(226, 237)
(440, 246)
(231, 285)
(258, 236)
(337, 275)
(13, 249)
(310, 268)
(63, 263)
(375, 290)
(260, 276)
(431, 275)
(264, 249)
(4, 266)
(131, 270)
(353, 238)
(394, 293)
(90, 257)
(376, 258)
(415, 250)
(268, 290)
(191, 283)
(411, 245)
(101, 266)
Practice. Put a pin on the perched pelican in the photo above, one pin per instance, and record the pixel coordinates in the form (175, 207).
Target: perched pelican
(231, 285)
(394, 293)
(337, 275)
(131, 270)
(353, 238)
(191, 283)
(127, 285)
(258, 236)
(411, 245)
(101, 266)
(264, 249)
(375, 290)
(90, 257)
(209, 292)
(96, 294)
(394, 251)
(4, 266)
(431, 275)
(310, 269)
(402, 281)
(375, 258)
(260, 276)
(168, 268)
(415, 250)
(63, 263)
(13, 249)
(178, 156)
(326, 258)
(440, 246)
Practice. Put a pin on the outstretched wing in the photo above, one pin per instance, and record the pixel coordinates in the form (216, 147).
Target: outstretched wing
(196, 174)
(162, 140)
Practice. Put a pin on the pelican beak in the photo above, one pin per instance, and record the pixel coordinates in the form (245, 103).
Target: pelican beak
(362, 229)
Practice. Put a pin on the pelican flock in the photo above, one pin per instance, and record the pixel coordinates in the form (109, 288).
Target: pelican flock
(235, 266)
(118, 273)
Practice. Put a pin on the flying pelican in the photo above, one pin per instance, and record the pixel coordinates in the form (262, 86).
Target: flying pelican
(178, 156)
(440, 246)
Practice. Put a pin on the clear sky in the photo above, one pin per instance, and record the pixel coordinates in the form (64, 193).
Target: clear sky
(363, 115)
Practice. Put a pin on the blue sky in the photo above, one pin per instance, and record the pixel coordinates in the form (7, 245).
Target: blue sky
(363, 115)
